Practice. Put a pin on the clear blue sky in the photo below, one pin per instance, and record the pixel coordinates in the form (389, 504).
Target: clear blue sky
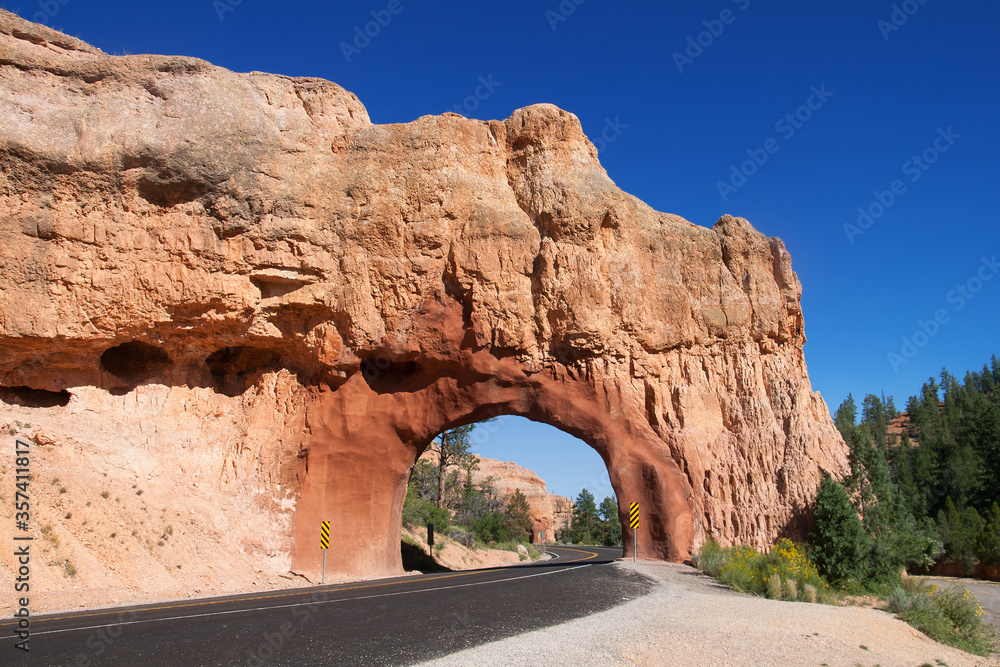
(889, 91)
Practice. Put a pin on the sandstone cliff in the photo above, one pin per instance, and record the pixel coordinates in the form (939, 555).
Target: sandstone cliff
(242, 272)
(549, 512)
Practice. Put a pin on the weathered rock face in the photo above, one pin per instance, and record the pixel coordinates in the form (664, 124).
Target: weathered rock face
(165, 221)
(549, 512)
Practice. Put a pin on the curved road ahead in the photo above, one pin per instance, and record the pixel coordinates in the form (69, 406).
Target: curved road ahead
(385, 622)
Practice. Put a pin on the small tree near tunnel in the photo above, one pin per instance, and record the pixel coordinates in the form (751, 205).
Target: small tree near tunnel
(518, 516)
(454, 451)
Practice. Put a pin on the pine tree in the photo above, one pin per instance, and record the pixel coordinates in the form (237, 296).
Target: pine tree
(839, 542)
(875, 416)
(847, 415)
(454, 450)
(902, 461)
(960, 532)
(518, 516)
(584, 521)
(611, 526)
(926, 479)
(988, 542)
(933, 491)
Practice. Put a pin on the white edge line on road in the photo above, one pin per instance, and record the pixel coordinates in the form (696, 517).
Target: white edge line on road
(303, 604)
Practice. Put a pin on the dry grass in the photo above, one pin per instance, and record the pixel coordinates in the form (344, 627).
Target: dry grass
(774, 586)
(792, 589)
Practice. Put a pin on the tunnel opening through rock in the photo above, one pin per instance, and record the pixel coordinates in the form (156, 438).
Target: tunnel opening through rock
(508, 454)
(357, 433)
(135, 361)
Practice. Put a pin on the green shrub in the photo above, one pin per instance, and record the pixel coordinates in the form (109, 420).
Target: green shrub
(915, 585)
(463, 537)
(742, 571)
(710, 558)
(746, 570)
(959, 606)
(952, 616)
(420, 512)
(790, 562)
(49, 534)
(899, 600)
(512, 545)
(492, 528)
(915, 595)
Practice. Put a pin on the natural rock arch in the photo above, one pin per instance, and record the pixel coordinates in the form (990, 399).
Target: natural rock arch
(360, 488)
(258, 267)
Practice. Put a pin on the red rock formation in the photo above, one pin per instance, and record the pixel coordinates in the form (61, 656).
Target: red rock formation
(898, 425)
(167, 221)
(549, 512)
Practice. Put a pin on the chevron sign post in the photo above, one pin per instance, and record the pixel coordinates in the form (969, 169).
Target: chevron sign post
(324, 544)
(633, 521)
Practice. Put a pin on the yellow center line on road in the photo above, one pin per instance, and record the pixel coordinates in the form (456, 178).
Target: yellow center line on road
(593, 554)
(243, 610)
(207, 603)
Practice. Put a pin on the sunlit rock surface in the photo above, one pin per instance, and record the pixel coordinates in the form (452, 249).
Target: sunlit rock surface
(168, 222)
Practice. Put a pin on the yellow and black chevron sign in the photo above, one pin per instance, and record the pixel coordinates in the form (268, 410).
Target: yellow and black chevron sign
(633, 516)
(324, 535)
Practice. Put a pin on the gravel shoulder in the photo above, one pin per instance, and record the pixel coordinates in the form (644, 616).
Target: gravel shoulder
(690, 619)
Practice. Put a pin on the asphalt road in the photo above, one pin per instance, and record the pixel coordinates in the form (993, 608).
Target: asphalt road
(385, 622)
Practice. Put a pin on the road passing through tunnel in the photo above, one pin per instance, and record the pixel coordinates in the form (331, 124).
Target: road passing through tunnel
(395, 621)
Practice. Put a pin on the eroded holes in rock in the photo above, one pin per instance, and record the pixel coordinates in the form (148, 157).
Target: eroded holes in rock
(34, 398)
(386, 376)
(136, 161)
(568, 355)
(782, 481)
(135, 361)
(520, 145)
(235, 369)
(273, 287)
(166, 191)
